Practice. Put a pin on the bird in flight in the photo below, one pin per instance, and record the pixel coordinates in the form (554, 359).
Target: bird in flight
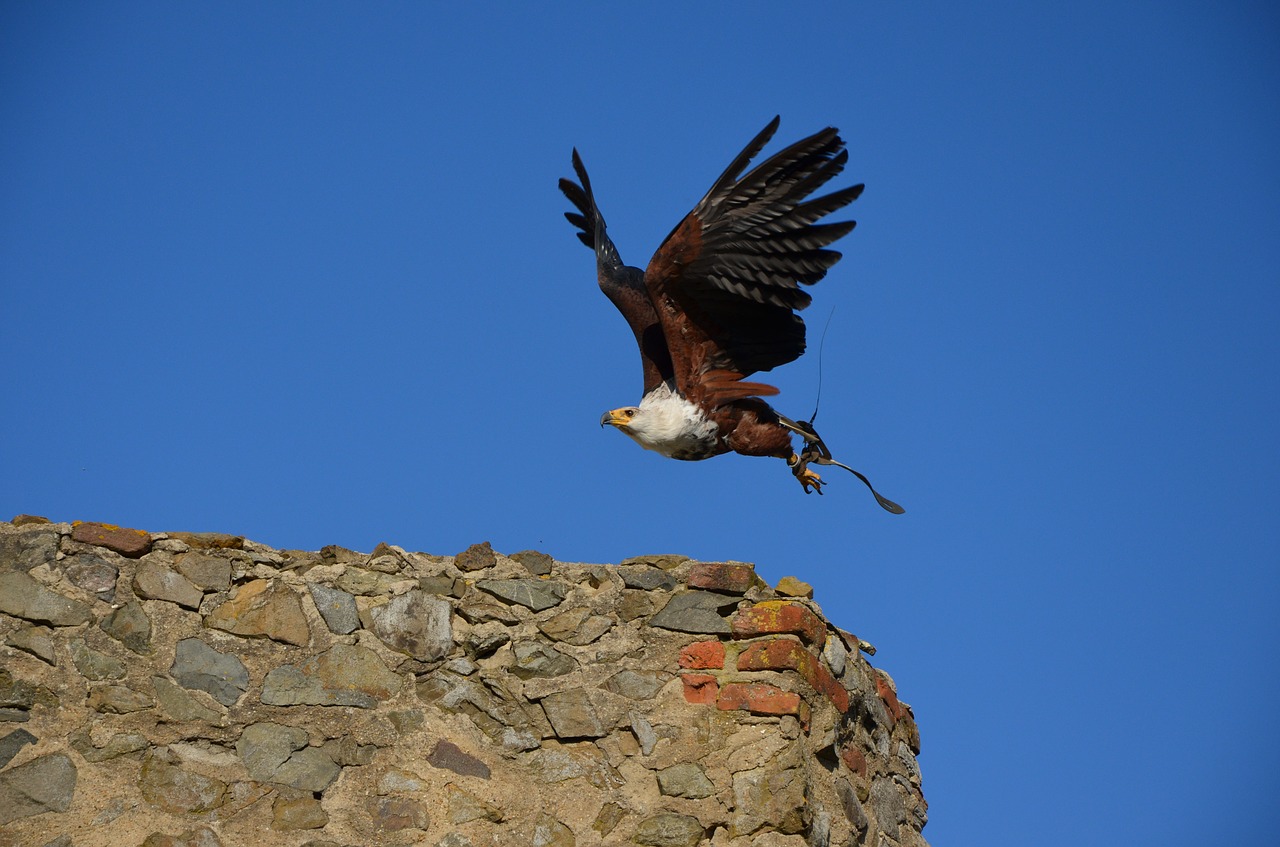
(718, 303)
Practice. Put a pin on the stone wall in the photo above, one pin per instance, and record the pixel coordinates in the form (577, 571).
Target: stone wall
(167, 689)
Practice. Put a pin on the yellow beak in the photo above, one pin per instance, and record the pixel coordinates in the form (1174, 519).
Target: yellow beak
(614, 418)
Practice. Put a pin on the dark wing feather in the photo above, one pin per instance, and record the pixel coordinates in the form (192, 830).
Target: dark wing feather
(622, 284)
(727, 280)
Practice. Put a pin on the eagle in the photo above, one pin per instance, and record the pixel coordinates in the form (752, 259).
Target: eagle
(718, 302)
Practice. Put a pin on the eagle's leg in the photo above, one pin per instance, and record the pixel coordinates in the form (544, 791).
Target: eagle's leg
(816, 451)
(800, 467)
(813, 451)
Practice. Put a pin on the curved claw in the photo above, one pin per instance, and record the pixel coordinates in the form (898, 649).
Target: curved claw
(800, 468)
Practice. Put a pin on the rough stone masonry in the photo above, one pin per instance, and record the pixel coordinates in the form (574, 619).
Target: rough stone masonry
(195, 689)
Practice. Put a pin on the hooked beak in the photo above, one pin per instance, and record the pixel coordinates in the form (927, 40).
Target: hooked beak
(613, 418)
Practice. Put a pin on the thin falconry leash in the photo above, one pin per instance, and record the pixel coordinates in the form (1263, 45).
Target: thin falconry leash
(822, 342)
(815, 450)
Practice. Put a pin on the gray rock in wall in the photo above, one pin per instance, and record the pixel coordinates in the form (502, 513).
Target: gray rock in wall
(36, 640)
(416, 624)
(534, 594)
(695, 611)
(154, 581)
(572, 715)
(669, 829)
(129, 625)
(685, 779)
(265, 747)
(197, 665)
(46, 784)
(11, 743)
(206, 571)
(535, 659)
(23, 597)
(175, 789)
(28, 547)
(93, 664)
(337, 607)
(95, 574)
(179, 705)
(345, 675)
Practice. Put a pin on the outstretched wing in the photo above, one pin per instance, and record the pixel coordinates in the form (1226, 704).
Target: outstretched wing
(622, 284)
(726, 281)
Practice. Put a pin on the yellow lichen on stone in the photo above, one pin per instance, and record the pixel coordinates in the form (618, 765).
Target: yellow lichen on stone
(793, 587)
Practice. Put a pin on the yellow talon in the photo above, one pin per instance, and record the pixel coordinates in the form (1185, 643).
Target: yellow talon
(807, 477)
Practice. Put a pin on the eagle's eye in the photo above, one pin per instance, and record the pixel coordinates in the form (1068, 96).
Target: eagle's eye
(631, 413)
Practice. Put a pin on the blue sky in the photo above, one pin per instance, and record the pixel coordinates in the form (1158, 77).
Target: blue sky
(299, 271)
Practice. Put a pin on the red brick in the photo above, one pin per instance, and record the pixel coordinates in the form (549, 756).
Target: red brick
(700, 688)
(701, 655)
(830, 687)
(890, 697)
(719, 576)
(777, 617)
(127, 542)
(785, 654)
(854, 760)
(758, 698)
(777, 654)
